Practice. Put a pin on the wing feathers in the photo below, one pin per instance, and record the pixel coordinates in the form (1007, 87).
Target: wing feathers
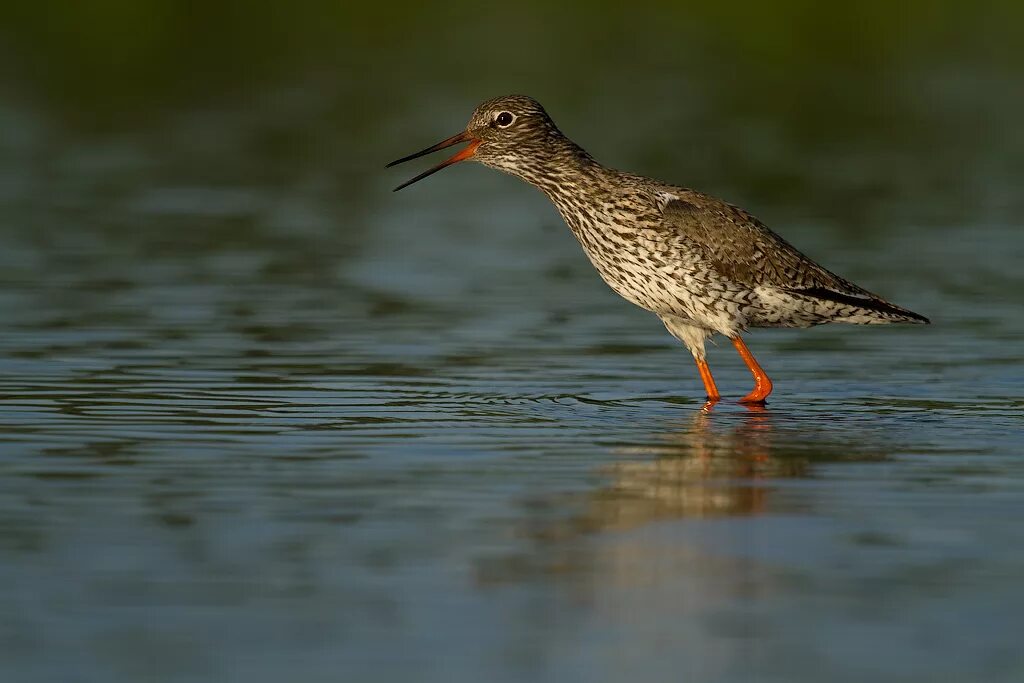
(744, 251)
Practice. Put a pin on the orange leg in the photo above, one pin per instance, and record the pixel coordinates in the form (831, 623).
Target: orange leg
(709, 381)
(762, 385)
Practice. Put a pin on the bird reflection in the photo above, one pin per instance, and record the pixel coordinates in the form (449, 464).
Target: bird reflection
(706, 467)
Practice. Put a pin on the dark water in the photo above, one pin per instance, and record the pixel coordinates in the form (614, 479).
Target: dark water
(263, 420)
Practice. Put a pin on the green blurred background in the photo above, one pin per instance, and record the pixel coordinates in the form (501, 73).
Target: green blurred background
(706, 92)
(98, 61)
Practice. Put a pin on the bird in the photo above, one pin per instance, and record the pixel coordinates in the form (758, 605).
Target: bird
(700, 264)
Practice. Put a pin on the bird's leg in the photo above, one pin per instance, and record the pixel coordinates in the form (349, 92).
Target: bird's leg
(762, 385)
(709, 381)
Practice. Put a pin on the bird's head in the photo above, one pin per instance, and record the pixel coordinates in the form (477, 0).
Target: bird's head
(511, 133)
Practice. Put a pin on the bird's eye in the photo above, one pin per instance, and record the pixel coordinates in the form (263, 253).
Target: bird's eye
(504, 119)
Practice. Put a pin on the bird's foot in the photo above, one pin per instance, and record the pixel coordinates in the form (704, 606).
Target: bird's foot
(762, 385)
(759, 395)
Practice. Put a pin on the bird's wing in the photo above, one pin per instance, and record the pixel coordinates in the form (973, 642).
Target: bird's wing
(741, 249)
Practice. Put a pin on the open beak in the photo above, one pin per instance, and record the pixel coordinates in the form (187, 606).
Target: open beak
(466, 153)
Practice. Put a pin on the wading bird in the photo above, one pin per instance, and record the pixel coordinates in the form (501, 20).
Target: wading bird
(701, 265)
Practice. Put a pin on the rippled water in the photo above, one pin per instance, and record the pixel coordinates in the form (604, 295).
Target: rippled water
(263, 420)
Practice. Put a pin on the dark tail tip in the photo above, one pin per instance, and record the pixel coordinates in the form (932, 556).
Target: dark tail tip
(879, 306)
(918, 318)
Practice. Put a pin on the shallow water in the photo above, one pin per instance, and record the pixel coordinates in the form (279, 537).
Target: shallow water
(263, 420)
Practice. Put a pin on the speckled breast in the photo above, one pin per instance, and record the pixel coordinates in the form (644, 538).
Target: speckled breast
(645, 267)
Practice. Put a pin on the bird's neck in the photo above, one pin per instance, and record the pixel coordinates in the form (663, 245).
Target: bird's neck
(551, 165)
(565, 172)
(575, 183)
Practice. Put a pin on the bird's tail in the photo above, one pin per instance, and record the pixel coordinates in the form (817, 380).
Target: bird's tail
(863, 310)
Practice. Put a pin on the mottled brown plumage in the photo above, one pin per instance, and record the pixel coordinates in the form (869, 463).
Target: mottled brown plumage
(700, 264)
